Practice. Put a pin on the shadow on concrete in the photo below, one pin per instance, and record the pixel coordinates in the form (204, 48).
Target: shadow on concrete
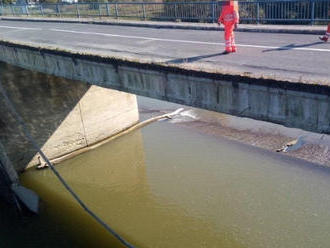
(43, 101)
(292, 46)
(195, 58)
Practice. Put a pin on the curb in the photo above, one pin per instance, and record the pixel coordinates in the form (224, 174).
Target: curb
(160, 25)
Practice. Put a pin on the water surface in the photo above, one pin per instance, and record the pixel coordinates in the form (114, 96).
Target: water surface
(170, 186)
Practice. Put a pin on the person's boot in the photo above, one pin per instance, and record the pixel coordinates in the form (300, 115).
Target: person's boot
(228, 50)
(227, 47)
(233, 49)
(324, 38)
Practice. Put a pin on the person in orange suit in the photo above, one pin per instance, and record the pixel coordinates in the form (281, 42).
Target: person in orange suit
(325, 37)
(229, 18)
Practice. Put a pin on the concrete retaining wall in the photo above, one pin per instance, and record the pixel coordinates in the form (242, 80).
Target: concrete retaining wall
(291, 104)
(61, 115)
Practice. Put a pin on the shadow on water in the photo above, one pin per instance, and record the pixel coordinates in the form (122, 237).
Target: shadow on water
(195, 58)
(293, 46)
(60, 224)
(29, 230)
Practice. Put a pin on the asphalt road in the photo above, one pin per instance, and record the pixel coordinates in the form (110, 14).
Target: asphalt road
(284, 56)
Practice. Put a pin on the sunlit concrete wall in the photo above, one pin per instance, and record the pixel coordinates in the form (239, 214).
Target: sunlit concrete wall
(61, 115)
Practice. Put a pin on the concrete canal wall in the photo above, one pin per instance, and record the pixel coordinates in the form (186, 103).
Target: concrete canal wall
(61, 115)
(292, 104)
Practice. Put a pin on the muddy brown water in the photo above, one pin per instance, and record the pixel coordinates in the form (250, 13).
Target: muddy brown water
(169, 186)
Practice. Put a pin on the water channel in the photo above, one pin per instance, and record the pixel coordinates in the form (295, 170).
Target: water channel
(168, 186)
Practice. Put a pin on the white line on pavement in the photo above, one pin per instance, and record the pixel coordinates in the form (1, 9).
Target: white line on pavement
(189, 41)
(20, 28)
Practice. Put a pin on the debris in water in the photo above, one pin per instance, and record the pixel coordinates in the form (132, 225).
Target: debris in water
(293, 145)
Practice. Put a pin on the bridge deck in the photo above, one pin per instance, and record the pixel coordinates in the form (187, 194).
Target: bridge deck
(289, 57)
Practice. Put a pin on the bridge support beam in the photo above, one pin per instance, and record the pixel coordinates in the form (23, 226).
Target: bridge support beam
(292, 104)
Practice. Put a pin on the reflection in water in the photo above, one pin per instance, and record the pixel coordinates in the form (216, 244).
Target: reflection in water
(167, 186)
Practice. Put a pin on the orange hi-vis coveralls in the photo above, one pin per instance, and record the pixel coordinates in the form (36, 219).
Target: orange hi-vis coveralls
(327, 34)
(229, 18)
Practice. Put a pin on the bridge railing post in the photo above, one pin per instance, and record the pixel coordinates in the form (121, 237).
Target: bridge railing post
(175, 11)
(100, 14)
(312, 14)
(144, 11)
(77, 9)
(58, 10)
(213, 11)
(258, 12)
(108, 10)
(12, 10)
(41, 10)
(116, 10)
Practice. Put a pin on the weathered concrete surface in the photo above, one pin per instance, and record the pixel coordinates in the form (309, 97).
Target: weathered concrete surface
(292, 104)
(61, 115)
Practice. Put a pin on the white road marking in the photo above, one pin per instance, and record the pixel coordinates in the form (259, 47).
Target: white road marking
(190, 41)
(19, 28)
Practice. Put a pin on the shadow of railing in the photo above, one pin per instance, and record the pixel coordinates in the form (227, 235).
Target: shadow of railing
(292, 46)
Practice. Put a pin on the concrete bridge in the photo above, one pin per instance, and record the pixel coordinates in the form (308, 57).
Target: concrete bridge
(281, 78)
